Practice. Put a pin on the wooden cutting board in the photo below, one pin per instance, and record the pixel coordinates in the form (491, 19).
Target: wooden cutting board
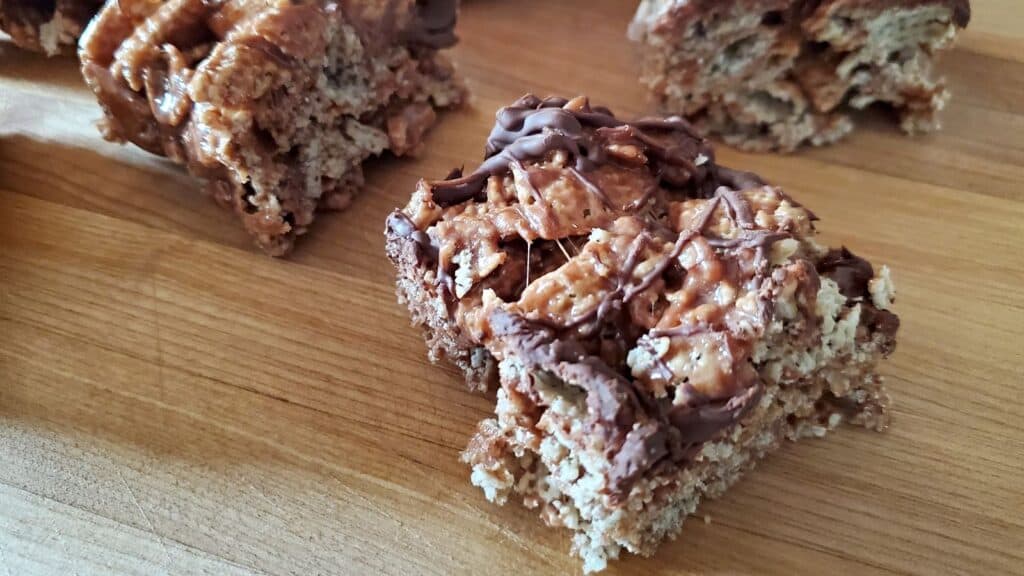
(173, 402)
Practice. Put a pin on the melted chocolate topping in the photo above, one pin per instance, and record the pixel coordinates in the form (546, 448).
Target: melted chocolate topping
(611, 399)
(533, 127)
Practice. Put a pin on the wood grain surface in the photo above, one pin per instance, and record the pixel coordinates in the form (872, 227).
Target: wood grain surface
(174, 402)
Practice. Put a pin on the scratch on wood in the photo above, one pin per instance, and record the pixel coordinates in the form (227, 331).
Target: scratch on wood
(374, 507)
(274, 505)
(145, 517)
(3, 561)
(540, 552)
(370, 504)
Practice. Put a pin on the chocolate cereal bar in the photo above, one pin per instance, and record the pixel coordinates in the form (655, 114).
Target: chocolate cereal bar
(654, 322)
(274, 104)
(778, 74)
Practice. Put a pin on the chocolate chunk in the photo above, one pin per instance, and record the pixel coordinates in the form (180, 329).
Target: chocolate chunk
(852, 273)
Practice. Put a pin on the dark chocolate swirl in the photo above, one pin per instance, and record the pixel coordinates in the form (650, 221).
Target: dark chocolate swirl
(533, 127)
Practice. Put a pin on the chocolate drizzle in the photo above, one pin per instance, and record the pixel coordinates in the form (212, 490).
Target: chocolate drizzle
(533, 127)
(625, 291)
(739, 208)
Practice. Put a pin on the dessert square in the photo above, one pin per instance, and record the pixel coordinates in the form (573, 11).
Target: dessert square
(274, 104)
(779, 74)
(654, 322)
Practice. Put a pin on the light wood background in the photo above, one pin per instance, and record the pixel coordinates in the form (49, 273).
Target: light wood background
(173, 402)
